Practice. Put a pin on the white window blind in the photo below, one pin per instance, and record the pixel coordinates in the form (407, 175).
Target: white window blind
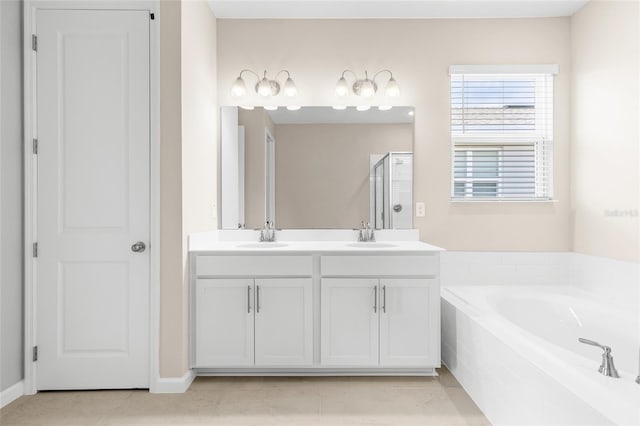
(502, 135)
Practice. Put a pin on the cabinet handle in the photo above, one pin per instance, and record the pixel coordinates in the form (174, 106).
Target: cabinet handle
(375, 299)
(257, 299)
(248, 299)
(384, 299)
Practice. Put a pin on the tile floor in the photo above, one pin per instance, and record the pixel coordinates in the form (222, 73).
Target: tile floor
(331, 401)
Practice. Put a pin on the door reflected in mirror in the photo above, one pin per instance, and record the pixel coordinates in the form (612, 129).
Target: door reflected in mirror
(316, 167)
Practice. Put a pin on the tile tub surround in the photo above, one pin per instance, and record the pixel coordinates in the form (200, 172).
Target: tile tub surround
(485, 365)
(315, 401)
(613, 281)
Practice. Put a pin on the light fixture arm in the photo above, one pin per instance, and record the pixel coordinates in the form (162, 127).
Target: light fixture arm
(280, 72)
(249, 71)
(380, 72)
(355, 76)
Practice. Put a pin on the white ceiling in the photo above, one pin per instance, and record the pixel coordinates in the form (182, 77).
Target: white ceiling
(394, 9)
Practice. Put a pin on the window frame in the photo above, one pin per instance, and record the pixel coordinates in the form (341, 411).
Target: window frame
(540, 141)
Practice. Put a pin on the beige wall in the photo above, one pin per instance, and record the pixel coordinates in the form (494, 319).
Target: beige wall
(172, 308)
(322, 171)
(255, 122)
(419, 52)
(605, 136)
(199, 150)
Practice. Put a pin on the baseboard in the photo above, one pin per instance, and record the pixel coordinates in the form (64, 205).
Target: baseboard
(174, 384)
(12, 393)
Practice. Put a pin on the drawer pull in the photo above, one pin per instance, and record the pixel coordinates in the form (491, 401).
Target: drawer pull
(248, 299)
(375, 299)
(384, 299)
(257, 299)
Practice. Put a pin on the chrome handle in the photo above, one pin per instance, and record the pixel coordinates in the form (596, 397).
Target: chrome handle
(592, 343)
(257, 299)
(375, 299)
(138, 247)
(248, 299)
(384, 299)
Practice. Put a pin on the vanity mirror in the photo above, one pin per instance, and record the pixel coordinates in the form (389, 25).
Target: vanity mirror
(316, 167)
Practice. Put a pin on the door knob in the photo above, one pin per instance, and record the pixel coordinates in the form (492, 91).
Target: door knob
(138, 247)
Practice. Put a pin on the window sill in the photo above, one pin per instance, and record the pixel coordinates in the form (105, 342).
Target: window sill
(501, 200)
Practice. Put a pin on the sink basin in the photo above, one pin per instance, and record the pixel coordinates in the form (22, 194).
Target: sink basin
(264, 245)
(371, 245)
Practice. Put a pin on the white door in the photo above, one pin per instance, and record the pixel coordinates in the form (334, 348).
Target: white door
(349, 321)
(224, 322)
(284, 325)
(408, 324)
(93, 199)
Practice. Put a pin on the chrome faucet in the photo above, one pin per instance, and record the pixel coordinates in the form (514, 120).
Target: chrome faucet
(366, 233)
(606, 368)
(268, 233)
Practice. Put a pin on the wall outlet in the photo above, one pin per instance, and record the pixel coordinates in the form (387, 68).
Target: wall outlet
(420, 209)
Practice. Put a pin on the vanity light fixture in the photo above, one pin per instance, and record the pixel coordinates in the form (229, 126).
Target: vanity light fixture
(366, 87)
(265, 87)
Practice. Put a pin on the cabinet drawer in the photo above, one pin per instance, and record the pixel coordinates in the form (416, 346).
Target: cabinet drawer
(253, 265)
(380, 265)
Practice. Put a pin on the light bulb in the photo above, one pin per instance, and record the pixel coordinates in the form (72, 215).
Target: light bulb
(411, 113)
(238, 89)
(339, 107)
(392, 90)
(247, 107)
(271, 107)
(385, 107)
(290, 88)
(342, 87)
(264, 87)
(293, 107)
(366, 89)
(363, 107)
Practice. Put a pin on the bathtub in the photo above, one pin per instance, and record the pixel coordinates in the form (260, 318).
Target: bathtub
(515, 350)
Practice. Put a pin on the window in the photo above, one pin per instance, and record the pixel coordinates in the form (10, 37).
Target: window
(502, 132)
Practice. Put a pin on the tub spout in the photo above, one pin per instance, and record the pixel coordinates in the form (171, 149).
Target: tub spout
(606, 368)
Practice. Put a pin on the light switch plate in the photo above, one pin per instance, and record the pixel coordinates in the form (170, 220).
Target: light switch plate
(420, 209)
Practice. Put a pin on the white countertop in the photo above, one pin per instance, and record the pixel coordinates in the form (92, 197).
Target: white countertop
(210, 243)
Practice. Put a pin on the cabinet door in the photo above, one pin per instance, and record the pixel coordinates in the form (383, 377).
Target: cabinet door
(284, 324)
(224, 322)
(349, 322)
(409, 323)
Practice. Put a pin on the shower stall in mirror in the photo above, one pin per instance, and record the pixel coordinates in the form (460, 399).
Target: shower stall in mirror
(393, 191)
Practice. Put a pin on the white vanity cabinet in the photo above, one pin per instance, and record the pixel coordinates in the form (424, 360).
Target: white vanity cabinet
(391, 321)
(320, 308)
(224, 332)
(349, 321)
(249, 321)
(283, 322)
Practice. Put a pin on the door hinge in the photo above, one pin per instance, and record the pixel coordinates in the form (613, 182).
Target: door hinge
(34, 42)
(35, 146)
(35, 249)
(35, 353)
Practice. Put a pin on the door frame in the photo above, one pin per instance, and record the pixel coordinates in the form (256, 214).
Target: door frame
(30, 176)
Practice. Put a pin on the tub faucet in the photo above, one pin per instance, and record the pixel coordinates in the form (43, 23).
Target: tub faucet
(268, 233)
(638, 378)
(606, 368)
